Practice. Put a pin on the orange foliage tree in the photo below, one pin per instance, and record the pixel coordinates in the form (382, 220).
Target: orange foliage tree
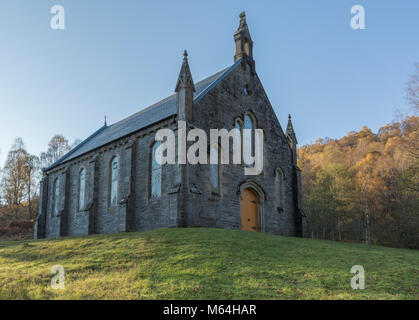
(364, 186)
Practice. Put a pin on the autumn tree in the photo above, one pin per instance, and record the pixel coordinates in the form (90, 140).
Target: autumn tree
(413, 89)
(14, 176)
(31, 167)
(363, 187)
(57, 147)
(19, 181)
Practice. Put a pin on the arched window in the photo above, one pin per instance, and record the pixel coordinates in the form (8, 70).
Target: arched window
(82, 188)
(247, 91)
(238, 125)
(215, 170)
(56, 197)
(156, 173)
(114, 177)
(249, 123)
(280, 187)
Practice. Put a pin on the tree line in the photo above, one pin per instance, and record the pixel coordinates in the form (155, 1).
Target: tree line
(364, 186)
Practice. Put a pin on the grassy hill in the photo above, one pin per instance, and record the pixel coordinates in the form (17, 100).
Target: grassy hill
(204, 264)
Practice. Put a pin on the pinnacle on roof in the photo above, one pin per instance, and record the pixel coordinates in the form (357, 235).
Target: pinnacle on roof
(290, 131)
(185, 76)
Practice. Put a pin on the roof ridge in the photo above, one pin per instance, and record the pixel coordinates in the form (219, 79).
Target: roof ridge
(119, 126)
(171, 96)
(144, 110)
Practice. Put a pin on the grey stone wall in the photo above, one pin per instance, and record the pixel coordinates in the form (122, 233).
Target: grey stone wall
(218, 109)
(135, 210)
(153, 213)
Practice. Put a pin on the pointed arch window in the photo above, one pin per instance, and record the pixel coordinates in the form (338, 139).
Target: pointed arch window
(215, 170)
(249, 123)
(238, 124)
(82, 188)
(247, 91)
(249, 140)
(114, 177)
(156, 173)
(56, 197)
(280, 187)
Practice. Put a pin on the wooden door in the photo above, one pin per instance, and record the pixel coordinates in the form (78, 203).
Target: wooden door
(249, 210)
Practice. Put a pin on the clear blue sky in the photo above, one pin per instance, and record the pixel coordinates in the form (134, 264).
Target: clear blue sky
(117, 57)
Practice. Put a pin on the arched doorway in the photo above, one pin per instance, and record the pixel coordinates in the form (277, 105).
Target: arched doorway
(249, 210)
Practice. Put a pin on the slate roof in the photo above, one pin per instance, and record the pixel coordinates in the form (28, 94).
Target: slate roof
(139, 120)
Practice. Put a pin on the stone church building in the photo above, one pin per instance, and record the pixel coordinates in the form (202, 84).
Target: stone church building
(112, 183)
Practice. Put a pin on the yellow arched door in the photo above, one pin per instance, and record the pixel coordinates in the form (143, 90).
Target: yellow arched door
(249, 210)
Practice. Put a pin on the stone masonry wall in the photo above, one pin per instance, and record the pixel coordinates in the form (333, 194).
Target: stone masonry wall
(134, 174)
(218, 109)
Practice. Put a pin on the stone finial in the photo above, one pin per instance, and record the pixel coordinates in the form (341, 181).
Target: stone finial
(185, 75)
(243, 43)
(290, 131)
(242, 25)
(185, 89)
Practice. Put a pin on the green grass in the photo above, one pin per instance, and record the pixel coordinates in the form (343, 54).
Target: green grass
(204, 264)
